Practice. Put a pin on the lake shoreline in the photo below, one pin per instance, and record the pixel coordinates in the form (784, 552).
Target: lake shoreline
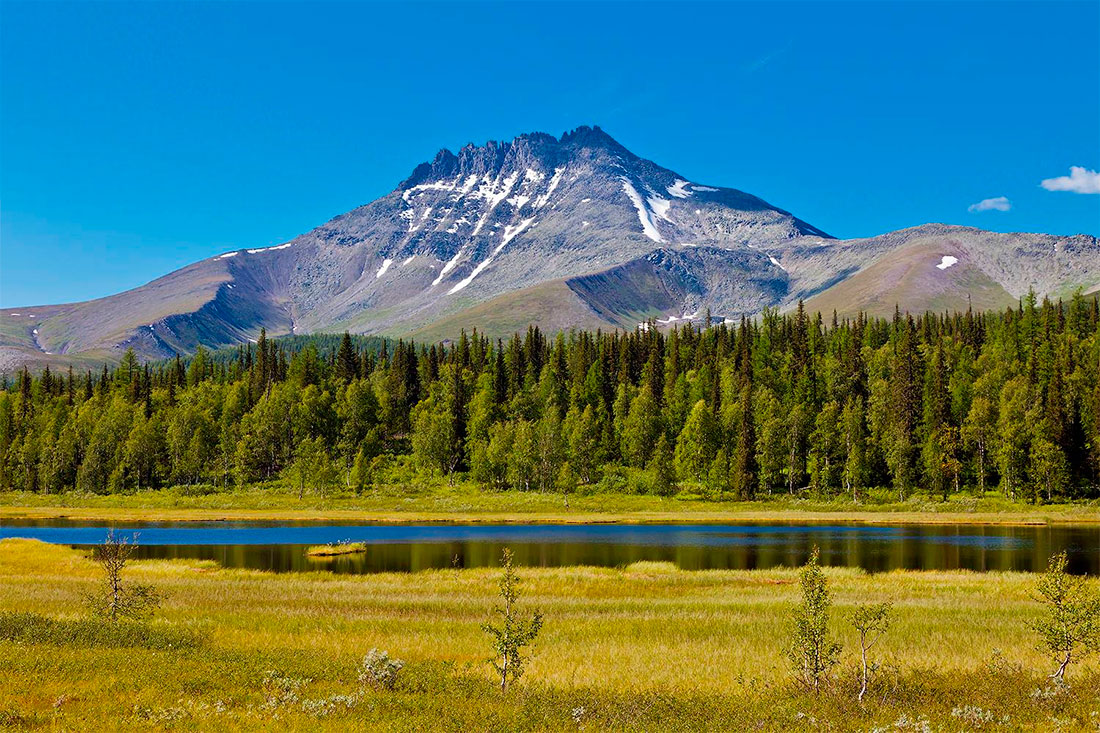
(445, 507)
(365, 518)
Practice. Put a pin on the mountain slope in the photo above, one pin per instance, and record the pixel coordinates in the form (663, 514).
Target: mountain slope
(937, 267)
(563, 232)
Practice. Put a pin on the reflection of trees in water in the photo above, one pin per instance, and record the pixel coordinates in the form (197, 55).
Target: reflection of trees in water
(877, 550)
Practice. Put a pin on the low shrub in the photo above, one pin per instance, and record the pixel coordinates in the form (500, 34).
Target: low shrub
(622, 480)
(379, 671)
(197, 490)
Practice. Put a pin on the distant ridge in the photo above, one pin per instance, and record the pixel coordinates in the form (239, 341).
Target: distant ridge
(569, 231)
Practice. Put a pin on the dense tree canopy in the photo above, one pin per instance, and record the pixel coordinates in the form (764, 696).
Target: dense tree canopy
(784, 403)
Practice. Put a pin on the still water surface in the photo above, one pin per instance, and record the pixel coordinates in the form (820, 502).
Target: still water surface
(281, 546)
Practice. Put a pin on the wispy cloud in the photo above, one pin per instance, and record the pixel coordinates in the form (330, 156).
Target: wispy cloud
(1079, 180)
(759, 63)
(1000, 203)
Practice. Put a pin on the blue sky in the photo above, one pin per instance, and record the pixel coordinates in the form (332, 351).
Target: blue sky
(137, 138)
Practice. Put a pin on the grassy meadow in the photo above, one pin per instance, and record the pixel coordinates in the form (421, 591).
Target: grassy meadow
(436, 501)
(643, 647)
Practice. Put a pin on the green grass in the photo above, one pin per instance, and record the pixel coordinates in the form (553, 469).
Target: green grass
(465, 502)
(551, 304)
(644, 647)
(337, 549)
(32, 628)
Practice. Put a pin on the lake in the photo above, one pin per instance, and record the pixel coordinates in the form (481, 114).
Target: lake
(281, 546)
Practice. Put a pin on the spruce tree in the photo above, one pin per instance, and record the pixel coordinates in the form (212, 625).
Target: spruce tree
(347, 361)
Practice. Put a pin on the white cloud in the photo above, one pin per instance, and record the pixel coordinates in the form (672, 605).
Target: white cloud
(1079, 180)
(999, 203)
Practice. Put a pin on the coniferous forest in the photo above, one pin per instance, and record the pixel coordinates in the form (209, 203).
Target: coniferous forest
(784, 404)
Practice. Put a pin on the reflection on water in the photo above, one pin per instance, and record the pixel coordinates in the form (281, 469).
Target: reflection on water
(281, 546)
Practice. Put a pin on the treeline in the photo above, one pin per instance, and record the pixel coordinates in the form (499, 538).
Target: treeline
(786, 403)
(287, 346)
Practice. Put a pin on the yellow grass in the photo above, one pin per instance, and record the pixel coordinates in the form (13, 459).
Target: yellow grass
(467, 503)
(646, 629)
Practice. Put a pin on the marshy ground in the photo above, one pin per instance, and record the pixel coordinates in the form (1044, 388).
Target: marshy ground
(646, 647)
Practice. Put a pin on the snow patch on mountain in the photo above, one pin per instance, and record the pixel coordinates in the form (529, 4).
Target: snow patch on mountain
(269, 249)
(643, 213)
(510, 233)
(450, 265)
(659, 206)
(494, 191)
(679, 189)
(382, 270)
(454, 185)
(554, 181)
(673, 319)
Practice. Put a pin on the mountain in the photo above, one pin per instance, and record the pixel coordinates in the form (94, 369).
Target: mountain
(575, 231)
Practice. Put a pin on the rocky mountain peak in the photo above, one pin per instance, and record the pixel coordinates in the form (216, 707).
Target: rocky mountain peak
(591, 137)
(537, 150)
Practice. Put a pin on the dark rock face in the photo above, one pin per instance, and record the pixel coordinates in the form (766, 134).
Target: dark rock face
(629, 238)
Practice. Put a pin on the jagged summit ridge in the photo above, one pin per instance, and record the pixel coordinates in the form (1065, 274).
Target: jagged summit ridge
(524, 148)
(502, 186)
